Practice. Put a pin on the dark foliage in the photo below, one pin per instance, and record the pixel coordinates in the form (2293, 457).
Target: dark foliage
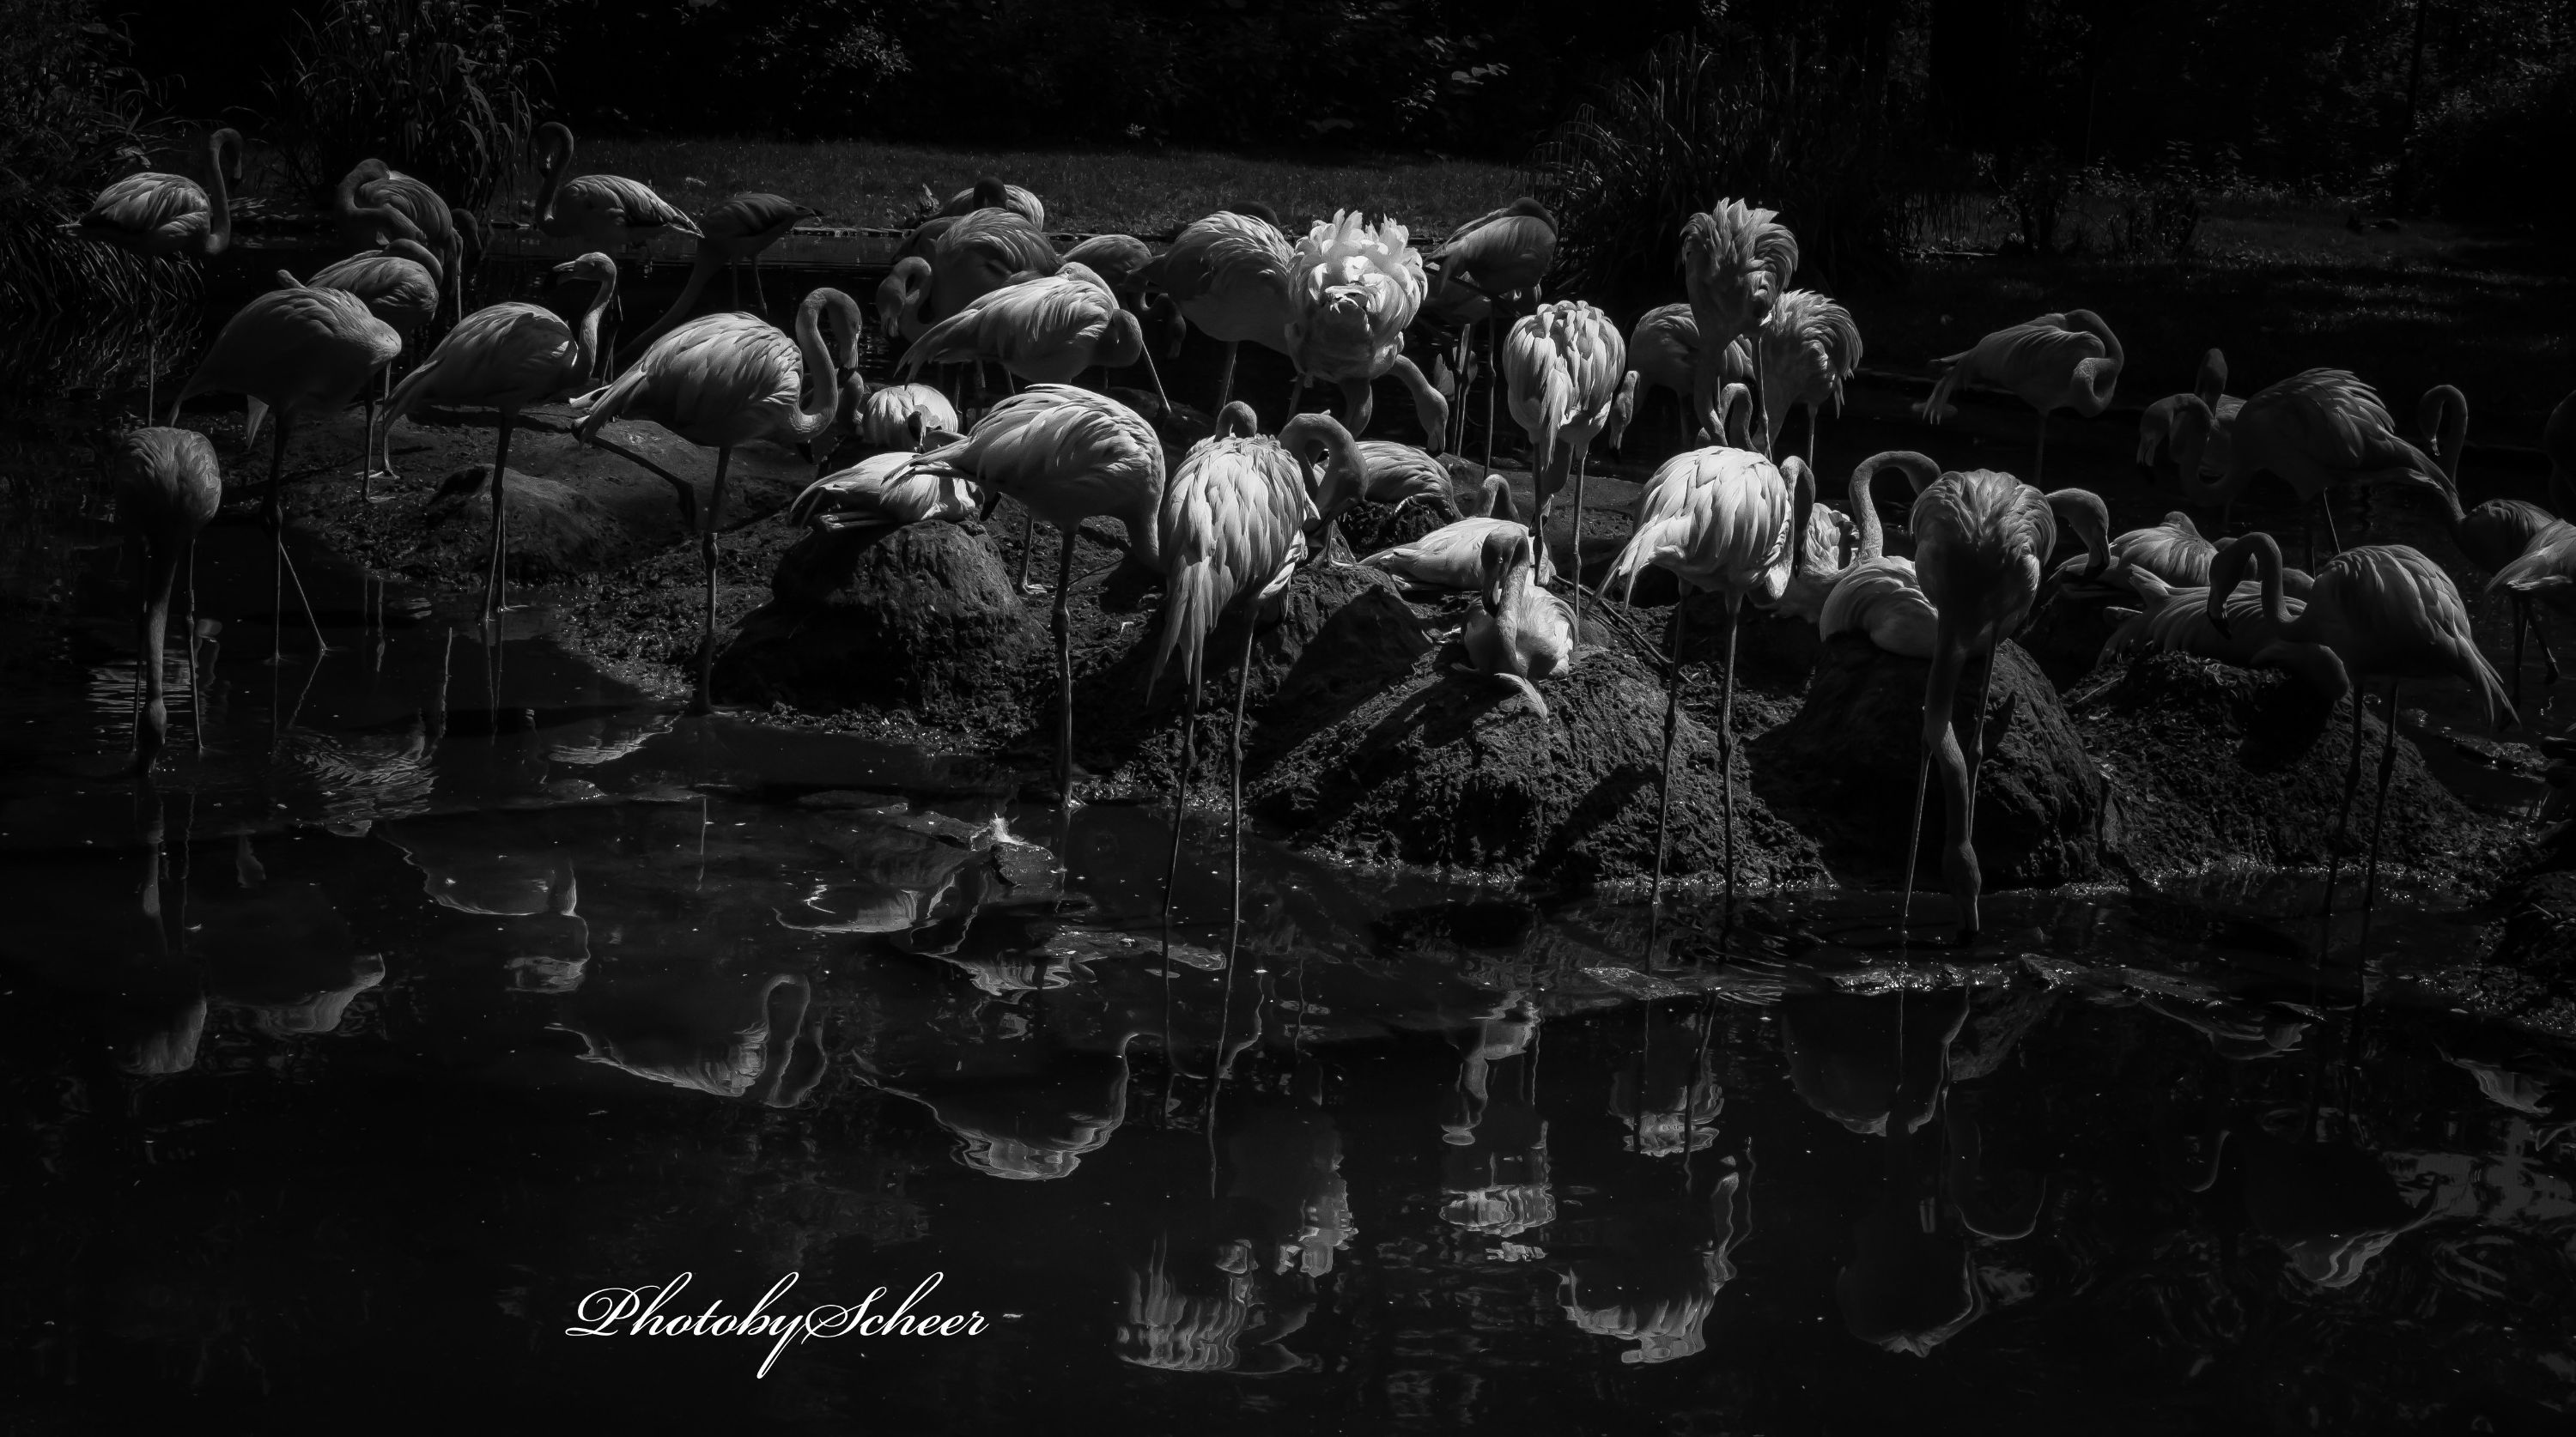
(441, 88)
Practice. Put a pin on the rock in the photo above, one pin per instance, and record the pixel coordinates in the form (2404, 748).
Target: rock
(555, 530)
(1369, 527)
(1459, 773)
(2067, 633)
(921, 618)
(2215, 764)
(1843, 768)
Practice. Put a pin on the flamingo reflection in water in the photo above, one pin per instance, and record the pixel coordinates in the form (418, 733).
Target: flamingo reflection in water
(1494, 1173)
(1655, 1275)
(464, 870)
(742, 1036)
(1029, 1122)
(1668, 1096)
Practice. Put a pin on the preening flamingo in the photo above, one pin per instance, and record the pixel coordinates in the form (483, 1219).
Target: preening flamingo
(506, 356)
(399, 285)
(2387, 612)
(1492, 262)
(156, 214)
(1878, 595)
(1067, 454)
(1981, 541)
(1228, 274)
(1736, 263)
(1352, 292)
(374, 200)
(1522, 632)
(168, 485)
(1453, 555)
(2495, 533)
(1723, 520)
(1397, 473)
(1046, 330)
(1563, 366)
(2173, 551)
(886, 491)
(889, 415)
(1808, 347)
(980, 253)
(2315, 429)
(1663, 353)
(304, 353)
(900, 296)
(605, 212)
(737, 230)
(730, 379)
(2156, 426)
(988, 193)
(2175, 618)
(1119, 260)
(2057, 361)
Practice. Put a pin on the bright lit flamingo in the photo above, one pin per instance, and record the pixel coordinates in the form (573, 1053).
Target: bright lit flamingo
(156, 214)
(2387, 612)
(605, 212)
(1493, 261)
(737, 230)
(2156, 426)
(1736, 263)
(893, 416)
(725, 380)
(1878, 595)
(1522, 632)
(1453, 555)
(168, 485)
(1563, 365)
(886, 491)
(2057, 361)
(375, 203)
(980, 253)
(988, 193)
(2173, 551)
(2315, 429)
(399, 285)
(1045, 330)
(1808, 347)
(1981, 541)
(1228, 273)
(1723, 520)
(1067, 454)
(1663, 353)
(507, 356)
(304, 353)
(1353, 292)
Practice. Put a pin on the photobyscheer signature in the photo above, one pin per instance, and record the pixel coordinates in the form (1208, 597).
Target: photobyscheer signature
(637, 1312)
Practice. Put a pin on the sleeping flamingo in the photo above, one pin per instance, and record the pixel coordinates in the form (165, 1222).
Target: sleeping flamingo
(1353, 291)
(1563, 366)
(1878, 595)
(1521, 633)
(399, 285)
(168, 485)
(2057, 361)
(725, 380)
(1453, 555)
(2156, 426)
(1981, 540)
(1228, 274)
(375, 203)
(1397, 473)
(886, 491)
(1736, 263)
(889, 415)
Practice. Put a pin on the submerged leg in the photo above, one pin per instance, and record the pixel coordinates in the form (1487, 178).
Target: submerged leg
(196, 694)
(1672, 720)
(1064, 671)
(1725, 745)
(1180, 809)
(704, 702)
(496, 583)
(1234, 800)
(2351, 770)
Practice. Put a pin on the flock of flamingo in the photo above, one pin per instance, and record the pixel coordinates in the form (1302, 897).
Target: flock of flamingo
(978, 281)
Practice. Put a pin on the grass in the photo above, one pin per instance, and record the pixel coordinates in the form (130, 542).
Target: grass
(865, 183)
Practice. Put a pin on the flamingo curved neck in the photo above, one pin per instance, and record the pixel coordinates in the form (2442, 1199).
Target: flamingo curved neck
(2096, 378)
(219, 219)
(817, 401)
(556, 145)
(2453, 431)
(1873, 539)
(587, 340)
(1339, 480)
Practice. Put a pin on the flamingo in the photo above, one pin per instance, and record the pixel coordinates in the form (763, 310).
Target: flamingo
(1046, 330)
(1663, 353)
(1982, 539)
(988, 193)
(739, 229)
(1724, 520)
(1485, 264)
(1067, 454)
(1396, 473)
(1353, 291)
(982, 252)
(2173, 551)
(1563, 366)
(2315, 429)
(1878, 595)
(1119, 260)
(2057, 361)
(889, 415)
(1809, 345)
(2156, 425)
(2385, 611)
(375, 203)
(1453, 555)
(724, 380)
(1228, 274)
(507, 356)
(154, 214)
(1522, 632)
(168, 486)
(886, 491)
(606, 212)
(399, 285)
(1736, 262)
(2175, 619)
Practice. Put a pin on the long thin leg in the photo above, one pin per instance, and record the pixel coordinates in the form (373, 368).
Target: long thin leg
(1242, 685)
(272, 512)
(1493, 376)
(2540, 636)
(1726, 748)
(707, 554)
(1180, 809)
(2332, 537)
(2352, 769)
(1064, 671)
(367, 449)
(1225, 375)
(2521, 620)
(2379, 810)
(1028, 545)
(1672, 721)
(196, 695)
(1578, 564)
(496, 583)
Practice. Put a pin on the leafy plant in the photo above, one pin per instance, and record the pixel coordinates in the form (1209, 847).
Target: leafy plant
(440, 88)
(2032, 188)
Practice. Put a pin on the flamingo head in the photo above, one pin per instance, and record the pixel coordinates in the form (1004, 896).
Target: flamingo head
(1505, 550)
(1237, 421)
(554, 146)
(592, 266)
(1623, 411)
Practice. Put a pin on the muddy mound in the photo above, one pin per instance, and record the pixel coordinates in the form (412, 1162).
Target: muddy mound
(555, 529)
(1844, 769)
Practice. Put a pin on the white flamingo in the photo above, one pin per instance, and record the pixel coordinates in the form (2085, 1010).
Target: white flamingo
(1562, 366)
(1453, 555)
(606, 213)
(1353, 291)
(1736, 263)
(160, 214)
(894, 415)
(1520, 633)
(1808, 346)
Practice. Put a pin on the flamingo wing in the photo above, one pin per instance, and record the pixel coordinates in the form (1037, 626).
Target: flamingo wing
(506, 355)
(148, 206)
(631, 203)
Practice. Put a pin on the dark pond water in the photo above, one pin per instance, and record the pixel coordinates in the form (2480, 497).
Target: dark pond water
(453, 992)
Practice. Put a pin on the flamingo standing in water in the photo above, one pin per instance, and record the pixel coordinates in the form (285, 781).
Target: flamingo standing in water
(507, 356)
(375, 204)
(1486, 265)
(1724, 520)
(1522, 632)
(1563, 364)
(168, 485)
(1736, 263)
(156, 214)
(1981, 541)
(1067, 454)
(725, 380)
(1807, 348)
(399, 285)
(2057, 361)
(2387, 612)
(304, 353)
(1663, 353)
(1353, 292)
(737, 230)
(1228, 274)
(2315, 429)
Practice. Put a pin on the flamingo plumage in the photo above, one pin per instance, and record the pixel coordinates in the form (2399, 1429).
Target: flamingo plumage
(1520, 633)
(1736, 263)
(900, 296)
(2316, 429)
(2493, 534)
(739, 230)
(1046, 330)
(1562, 366)
(983, 251)
(1119, 260)
(2174, 618)
(376, 203)
(1878, 595)
(889, 414)
(2057, 361)
(168, 486)
(988, 193)
(886, 491)
(1396, 473)
(1228, 275)
(726, 380)
(1352, 292)
(1723, 520)
(2172, 550)
(2156, 425)
(1663, 353)
(158, 214)
(1808, 346)
(507, 357)
(1453, 555)
(1489, 263)
(399, 285)
(1981, 540)
(606, 213)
